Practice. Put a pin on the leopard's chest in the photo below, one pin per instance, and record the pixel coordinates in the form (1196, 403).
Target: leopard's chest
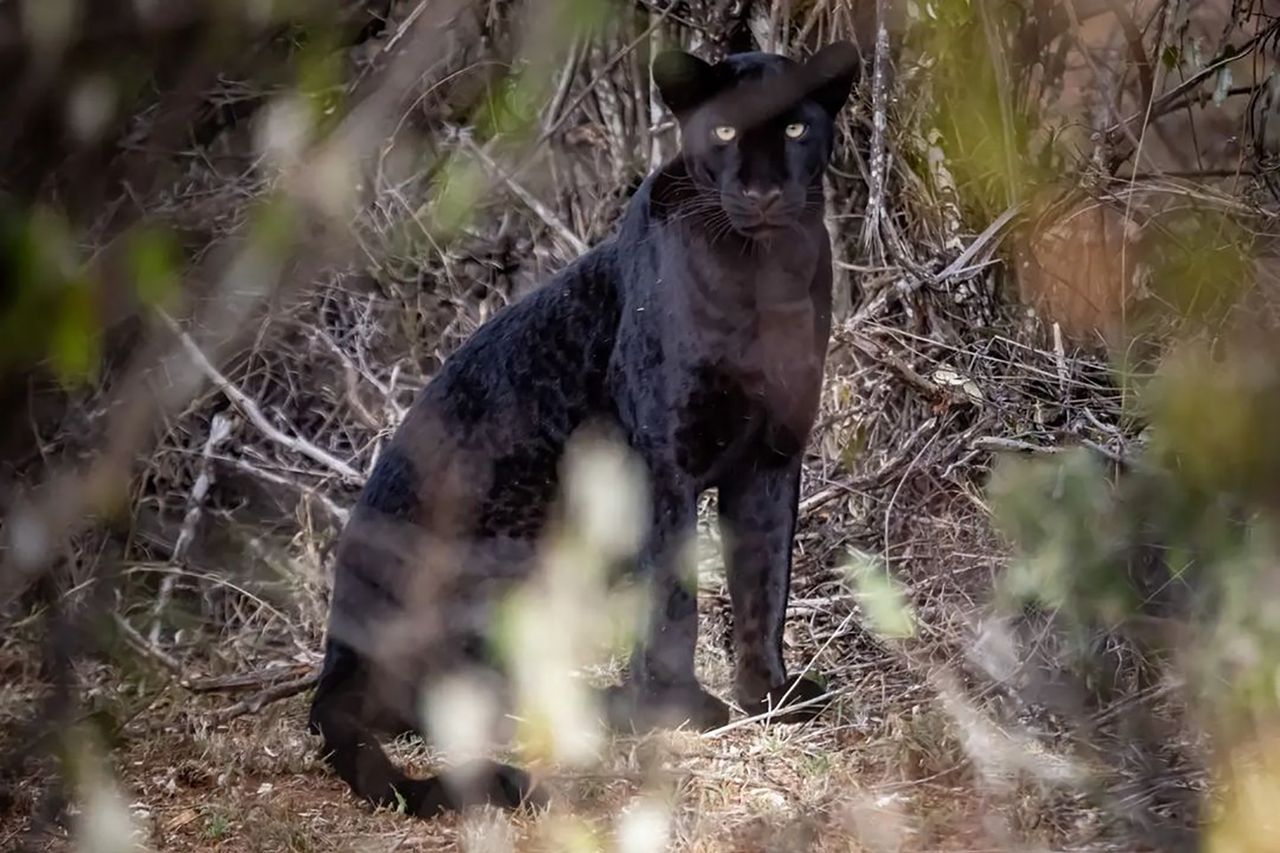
(716, 417)
(765, 397)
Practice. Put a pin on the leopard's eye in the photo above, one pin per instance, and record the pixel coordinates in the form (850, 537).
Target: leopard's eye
(796, 129)
(725, 133)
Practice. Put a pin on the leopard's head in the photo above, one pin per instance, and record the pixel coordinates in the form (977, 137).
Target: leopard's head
(757, 130)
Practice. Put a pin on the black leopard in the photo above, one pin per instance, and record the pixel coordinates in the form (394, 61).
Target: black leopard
(697, 332)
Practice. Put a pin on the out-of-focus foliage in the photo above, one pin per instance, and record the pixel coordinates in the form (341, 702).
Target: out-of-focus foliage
(1062, 516)
(49, 306)
(1177, 551)
(881, 598)
(1196, 268)
(978, 100)
(606, 502)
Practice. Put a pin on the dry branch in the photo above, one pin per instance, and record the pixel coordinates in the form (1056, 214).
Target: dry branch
(219, 432)
(872, 242)
(563, 231)
(145, 648)
(338, 513)
(263, 698)
(251, 411)
(1174, 98)
(242, 680)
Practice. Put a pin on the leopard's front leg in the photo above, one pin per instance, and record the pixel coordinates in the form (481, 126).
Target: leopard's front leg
(758, 503)
(662, 689)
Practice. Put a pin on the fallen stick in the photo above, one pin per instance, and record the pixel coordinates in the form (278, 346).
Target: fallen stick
(243, 680)
(263, 698)
(146, 649)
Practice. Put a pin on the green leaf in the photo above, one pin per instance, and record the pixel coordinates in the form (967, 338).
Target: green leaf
(854, 448)
(881, 598)
(402, 805)
(49, 311)
(274, 225)
(74, 346)
(154, 257)
(1223, 87)
(461, 190)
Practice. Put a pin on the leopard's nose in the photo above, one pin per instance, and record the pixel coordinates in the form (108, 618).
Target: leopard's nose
(763, 196)
(763, 200)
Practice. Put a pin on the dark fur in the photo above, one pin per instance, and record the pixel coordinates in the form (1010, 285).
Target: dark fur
(698, 332)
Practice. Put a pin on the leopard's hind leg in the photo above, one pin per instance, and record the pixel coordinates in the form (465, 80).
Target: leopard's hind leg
(350, 704)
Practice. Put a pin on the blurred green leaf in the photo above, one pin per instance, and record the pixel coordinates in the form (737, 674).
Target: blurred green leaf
(1201, 260)
(1214, 416)
(321, 75)
(75, 346)
(1061, 516)
(49, 311)
(984, 123)
(155, 260)
(274, 224)
(512, 109)
(461, 186)
(881, 597)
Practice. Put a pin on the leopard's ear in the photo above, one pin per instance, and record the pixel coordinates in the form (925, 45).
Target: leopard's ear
(835, 69)
(683, 80)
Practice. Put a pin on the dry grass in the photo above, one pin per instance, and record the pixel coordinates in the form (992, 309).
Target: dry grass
(906, 758)
(884, 769)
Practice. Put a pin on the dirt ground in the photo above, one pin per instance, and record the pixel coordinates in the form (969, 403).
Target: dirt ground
(896, 763)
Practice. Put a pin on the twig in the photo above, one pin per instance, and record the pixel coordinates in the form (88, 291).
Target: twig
(596, 81)
(339, 514)
(349, 374)
(1133, 37)
(999, 443)
(819, 499)
(219, 432)
(1060, 358)
(404, 27)
(543, 212)
(1107, 452)
(655, 117)
(871, 238)
(566, 80)
(1168, 101)
(251, 411)
(209, 577)
(263, 698)
(1189, 174)
(240, 680)
(140, 643)
(985, 242)
(781, 711)
(841, 282)
(931, 390)
(810, 21)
